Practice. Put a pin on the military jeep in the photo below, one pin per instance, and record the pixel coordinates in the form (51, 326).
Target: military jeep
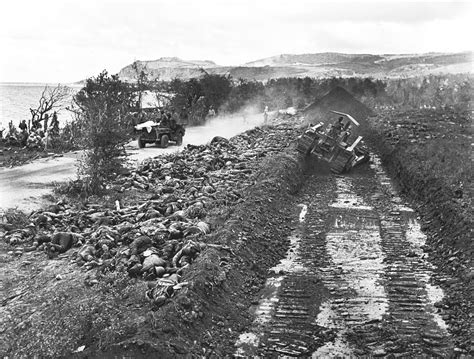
(162, 134)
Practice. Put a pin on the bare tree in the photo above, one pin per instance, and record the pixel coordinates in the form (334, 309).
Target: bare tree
(51, 99)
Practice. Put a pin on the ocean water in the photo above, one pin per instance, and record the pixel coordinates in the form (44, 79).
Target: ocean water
(16, 99)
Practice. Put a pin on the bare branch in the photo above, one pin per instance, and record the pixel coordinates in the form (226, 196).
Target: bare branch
(51, 98)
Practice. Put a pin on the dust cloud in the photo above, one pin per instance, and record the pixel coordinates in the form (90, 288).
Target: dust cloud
(224, 126)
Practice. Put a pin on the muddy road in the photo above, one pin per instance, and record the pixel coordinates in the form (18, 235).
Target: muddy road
(25, 187)
(356, 280)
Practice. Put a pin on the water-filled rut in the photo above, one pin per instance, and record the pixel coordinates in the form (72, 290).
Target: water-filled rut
(356, 280)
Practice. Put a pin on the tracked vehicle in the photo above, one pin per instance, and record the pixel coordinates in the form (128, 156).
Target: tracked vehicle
(331, 144)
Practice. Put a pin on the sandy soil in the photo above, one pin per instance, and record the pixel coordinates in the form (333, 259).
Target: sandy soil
(25, 187)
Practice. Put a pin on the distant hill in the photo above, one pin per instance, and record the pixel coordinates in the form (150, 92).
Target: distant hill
(328, 64)
(326, 58)
(167, 68)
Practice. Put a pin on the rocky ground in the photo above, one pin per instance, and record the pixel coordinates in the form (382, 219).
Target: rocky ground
(243, 247)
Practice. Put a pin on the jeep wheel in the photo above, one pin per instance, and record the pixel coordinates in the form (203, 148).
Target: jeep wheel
(141, 142)
(164, 141)
(179, 139)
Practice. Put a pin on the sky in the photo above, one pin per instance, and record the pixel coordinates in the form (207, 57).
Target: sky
(67, 41)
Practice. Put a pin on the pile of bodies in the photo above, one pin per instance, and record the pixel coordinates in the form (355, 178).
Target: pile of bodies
(165, 230)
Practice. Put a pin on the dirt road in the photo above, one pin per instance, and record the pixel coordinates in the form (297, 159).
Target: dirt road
(355, 280)
(24, 187)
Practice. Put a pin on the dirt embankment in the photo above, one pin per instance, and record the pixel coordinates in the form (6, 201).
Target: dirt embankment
(224, 288)
(428, 153)
(116, 302)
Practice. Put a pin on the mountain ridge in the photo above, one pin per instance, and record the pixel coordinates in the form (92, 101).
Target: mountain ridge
(325, 64)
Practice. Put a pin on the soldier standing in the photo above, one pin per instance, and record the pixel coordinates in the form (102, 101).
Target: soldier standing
(23, 125)
(45, 124)
(55, 124)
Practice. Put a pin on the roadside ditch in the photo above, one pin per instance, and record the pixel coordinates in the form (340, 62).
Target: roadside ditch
(444, 211)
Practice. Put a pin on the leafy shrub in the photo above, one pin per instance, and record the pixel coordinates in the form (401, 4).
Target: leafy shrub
(102, 109)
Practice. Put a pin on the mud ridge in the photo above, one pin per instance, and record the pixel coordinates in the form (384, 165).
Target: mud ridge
(449, 237)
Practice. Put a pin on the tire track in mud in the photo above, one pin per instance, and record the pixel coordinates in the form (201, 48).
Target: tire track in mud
(412, 326)
(353, 274)
(284, 315)
(355, 280)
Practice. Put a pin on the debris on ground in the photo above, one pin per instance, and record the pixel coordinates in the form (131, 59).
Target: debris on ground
(159, 226)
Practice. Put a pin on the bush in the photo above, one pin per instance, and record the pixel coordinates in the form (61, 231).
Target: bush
(102, 107)
(193, 98)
